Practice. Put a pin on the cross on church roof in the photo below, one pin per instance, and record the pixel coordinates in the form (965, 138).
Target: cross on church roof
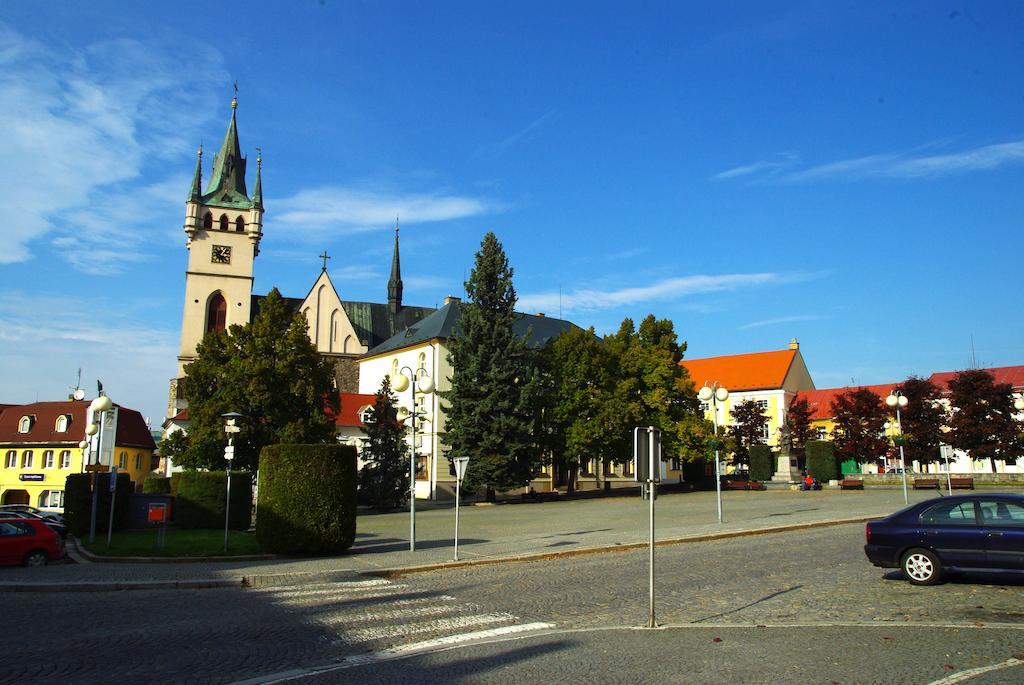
(325, 257)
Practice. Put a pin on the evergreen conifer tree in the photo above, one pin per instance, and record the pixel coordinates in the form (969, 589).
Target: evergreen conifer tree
(384, 478)
(488, 417)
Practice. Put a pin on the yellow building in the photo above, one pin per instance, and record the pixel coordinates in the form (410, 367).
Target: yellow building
(39, 447)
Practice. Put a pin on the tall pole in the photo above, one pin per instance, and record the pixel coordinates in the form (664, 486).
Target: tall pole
(949, 479)
(113, 502)
(651, 623)
(718, 476)
(903, 464)
(227, 500)
(95, 489)
(458, 482)
(412, 467)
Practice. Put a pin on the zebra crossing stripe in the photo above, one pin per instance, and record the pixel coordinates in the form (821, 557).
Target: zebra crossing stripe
(376, 633)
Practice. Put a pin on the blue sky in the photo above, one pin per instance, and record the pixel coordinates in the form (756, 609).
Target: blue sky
(849, 175)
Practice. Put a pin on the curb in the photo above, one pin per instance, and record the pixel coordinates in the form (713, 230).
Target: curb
(255, 581)
(82, 555)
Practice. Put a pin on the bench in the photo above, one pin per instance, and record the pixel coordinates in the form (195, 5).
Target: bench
(733, 484)
(851, 484)
(926, 483)
(962, 483)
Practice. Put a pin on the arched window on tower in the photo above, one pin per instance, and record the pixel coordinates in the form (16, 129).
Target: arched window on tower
(240, 225)
(223, 222)
(216, 314)
(208, 221)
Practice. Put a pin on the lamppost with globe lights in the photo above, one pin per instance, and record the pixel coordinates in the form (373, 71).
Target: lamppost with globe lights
(715, 394)
(418, 380)
(98, 407)
(898, 400)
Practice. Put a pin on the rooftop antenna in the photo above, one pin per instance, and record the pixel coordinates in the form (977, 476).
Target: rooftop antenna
(974, 358)
(559, 300)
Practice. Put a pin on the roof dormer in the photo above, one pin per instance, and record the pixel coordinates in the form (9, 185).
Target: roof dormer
(26, 423)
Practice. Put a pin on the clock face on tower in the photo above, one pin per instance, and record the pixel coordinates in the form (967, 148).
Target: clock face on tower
(221, 254)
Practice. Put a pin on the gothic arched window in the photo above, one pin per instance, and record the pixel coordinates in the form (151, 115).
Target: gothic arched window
(208, 221)
(223, 222)
(240, 225)
(216, 314)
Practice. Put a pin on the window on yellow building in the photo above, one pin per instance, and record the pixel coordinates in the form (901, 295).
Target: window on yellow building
(65, 459)
(122, 461)
(138, 461)
(48, 459)
(11, 462)
(26, 459)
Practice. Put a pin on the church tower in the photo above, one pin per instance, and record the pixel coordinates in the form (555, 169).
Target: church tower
(395, 282)
(223, 227)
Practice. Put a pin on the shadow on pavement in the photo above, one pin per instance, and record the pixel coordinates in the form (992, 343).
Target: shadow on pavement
(747, 606)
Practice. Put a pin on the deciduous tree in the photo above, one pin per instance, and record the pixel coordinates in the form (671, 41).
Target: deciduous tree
(922, 420)
(269, 371)
(860, 418)
(982, 420)
(747, 429)
(798, 420)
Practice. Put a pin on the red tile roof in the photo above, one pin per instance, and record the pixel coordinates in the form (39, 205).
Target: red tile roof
(751, 371)
(132, 430)
(351, 403)
(820, 401)
(1014, 375)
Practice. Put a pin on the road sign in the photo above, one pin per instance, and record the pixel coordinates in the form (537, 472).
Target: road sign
(229, 452)
(113, 478)
(460, 467)
(157, 512)
(646, 454)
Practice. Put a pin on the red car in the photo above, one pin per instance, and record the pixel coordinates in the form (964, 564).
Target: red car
(28, 541)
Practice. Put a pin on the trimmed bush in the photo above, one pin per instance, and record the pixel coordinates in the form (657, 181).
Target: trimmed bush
(78, 502)
(307, 499)
(821, 460)
(761, 462)
(156, 485)
(200, 500)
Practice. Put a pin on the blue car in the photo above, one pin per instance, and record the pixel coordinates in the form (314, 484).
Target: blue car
(978, 532)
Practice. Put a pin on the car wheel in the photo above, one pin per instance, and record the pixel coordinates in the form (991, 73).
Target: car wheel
(921, 567)
(36, 557)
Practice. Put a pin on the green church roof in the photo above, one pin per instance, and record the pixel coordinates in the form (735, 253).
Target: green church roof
(227, 183)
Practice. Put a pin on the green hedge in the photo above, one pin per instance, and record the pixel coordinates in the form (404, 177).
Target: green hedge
(156, 485)
(200, 500)
(821, 460)
(78, 502)
(761, 462)
(307, 499)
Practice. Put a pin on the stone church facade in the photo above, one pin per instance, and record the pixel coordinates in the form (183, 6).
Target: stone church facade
(223, 229)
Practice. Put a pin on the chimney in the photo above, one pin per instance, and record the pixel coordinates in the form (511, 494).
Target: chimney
(794, 344)
(451, 298)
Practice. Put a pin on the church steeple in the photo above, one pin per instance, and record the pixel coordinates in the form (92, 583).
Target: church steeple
(227, 182)
(395, 282)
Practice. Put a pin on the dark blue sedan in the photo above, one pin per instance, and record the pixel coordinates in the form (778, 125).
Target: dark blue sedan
(978, 532)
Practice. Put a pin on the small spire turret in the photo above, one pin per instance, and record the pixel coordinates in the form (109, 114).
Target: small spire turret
(395, 282)
(196, 191)
(257, 191)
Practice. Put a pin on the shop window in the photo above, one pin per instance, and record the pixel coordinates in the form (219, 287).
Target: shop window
(48, 459)
(52, 499)
(26, 459)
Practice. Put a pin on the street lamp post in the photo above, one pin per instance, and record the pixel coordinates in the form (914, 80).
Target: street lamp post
(715, 394)
(99, 406)
(897, 400)
(230, 427)
(417, 380)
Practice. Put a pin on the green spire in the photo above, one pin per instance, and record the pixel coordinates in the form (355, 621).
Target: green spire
(227, 183)
(395, 282)
(257, 193)
(196, 193)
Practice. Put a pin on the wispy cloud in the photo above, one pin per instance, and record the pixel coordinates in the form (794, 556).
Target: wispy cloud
(901, 165)
(355, 210)
(670, 288)
(44, 340)
(780, 320)
(80, 129)
(526, 133)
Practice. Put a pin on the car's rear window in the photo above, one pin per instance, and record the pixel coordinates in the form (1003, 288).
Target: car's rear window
(1002, 513)
(950, 514)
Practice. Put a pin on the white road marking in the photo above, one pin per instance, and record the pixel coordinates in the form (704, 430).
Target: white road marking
(367, 634)
(970, 673)
(349, 586)
(346, 617)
